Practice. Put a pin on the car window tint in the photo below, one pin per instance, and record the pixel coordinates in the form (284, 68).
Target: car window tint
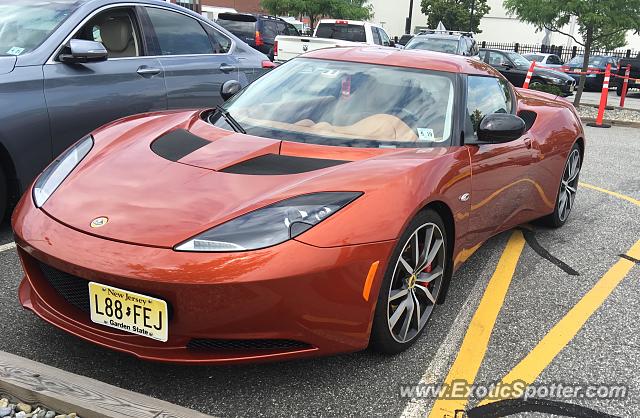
(376, 36)
(486, 95)
(342, 31)
(179, 34)
(282, 28)
(269, 29)
(291, 30)
(221, 43)
(497, 59)
(554, 60)
(116, 30)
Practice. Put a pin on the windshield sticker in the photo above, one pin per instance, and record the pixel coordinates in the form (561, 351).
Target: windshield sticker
(16, 50)
(426, 134)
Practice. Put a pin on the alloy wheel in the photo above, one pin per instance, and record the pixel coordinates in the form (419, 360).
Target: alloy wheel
(569, 185)
(416, 282)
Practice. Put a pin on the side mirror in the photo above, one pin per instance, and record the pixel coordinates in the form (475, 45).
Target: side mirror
(497, 128)
(229, 89)
(81, 51)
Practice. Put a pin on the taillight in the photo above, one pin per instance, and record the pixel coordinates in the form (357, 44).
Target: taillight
(342, 22)
(275, 48)
(259, 41)
(268, 64)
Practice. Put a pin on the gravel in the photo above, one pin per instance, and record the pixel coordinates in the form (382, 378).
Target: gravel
(10, 409)
(620, 115)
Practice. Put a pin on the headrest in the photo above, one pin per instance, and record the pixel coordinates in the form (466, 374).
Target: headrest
(116, 34)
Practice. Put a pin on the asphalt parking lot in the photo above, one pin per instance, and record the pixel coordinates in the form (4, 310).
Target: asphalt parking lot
(632, 100)
(605, 350)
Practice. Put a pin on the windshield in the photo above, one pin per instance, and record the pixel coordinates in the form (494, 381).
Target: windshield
(24, 25)
(450, 46)
(347, 104)
(518, 60)
(532, 57)
(344, 32)
(593, 61)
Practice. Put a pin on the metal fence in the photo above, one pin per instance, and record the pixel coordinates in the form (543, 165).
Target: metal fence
(564, 53)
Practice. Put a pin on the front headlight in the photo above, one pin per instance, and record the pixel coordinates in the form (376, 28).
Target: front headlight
(554, 80)
(53, 176)
(270, 225)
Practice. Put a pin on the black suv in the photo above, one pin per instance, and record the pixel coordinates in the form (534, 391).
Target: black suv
(259, 31)
(450, 42)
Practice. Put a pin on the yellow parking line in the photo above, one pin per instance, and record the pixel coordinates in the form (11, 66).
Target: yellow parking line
(558, 337)
(476, 340)
(616, 194)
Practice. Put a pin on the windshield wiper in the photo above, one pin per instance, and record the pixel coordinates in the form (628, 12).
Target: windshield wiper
(230, 120)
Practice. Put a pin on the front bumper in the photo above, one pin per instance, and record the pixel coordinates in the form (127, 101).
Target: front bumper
(290, 292)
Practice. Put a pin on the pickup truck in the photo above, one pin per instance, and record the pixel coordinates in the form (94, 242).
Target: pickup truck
(330, 33)
(635, 73)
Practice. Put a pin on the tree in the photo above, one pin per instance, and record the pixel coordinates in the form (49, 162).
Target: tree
(462, 15)
(316, 9)
(599, 21)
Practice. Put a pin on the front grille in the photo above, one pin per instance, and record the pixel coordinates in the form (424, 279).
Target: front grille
(73, 289)
(209, 344)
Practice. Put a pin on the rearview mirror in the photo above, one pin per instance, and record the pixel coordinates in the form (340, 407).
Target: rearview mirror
(229, 89)
(497, 128)
(81, 51)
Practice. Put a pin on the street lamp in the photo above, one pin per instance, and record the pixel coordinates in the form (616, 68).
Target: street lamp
(407, 26)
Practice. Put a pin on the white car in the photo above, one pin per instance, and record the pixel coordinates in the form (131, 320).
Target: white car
(548, 60)
(328, 34)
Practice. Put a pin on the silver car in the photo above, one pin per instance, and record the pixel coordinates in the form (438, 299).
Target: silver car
(70, 66)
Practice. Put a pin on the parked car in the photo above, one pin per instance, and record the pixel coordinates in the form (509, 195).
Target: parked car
(596, 63)
(515, 67)
(263, 230)
(403, 40)
(548, 60)
(331, 33)
(635, 74)
(68, 67)
(259, 31)
(450, 42)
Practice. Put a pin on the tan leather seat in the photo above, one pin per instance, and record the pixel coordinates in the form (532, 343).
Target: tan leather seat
(117, 37)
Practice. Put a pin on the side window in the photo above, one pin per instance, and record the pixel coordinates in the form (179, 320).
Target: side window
(553, 60)
(497, 59)
(486, 95)
(179, 34)
(385, 38)
(292, 30)
(221, 43)
(474, 48)
(376, 36)
(483, 56)
(269, 29)
(117, 30)
(282, 28)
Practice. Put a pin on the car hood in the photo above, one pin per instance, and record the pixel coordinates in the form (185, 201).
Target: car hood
(7, 63)
(156, 194)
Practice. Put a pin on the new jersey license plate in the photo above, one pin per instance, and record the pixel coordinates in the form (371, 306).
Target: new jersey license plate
(129, 311)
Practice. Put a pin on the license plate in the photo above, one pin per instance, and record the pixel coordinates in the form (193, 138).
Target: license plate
(129, 311)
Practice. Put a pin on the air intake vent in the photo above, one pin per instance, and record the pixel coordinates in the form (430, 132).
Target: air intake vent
(276, 164)
(216, 345)
(177, 144)
(528, 117)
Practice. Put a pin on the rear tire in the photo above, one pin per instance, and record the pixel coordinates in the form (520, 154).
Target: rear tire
(567, 190)
(406, 300)
(4, 198)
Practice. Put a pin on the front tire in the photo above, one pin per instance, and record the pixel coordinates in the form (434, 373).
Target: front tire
(567, 191)
(416, 275)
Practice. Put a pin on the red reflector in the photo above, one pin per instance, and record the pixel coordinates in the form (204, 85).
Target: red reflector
(275, 48)
(268, 64)
(259, 41)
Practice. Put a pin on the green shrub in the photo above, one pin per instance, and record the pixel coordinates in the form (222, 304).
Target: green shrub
(547, 88)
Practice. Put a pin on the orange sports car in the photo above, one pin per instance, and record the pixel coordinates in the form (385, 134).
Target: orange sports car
(321, 209)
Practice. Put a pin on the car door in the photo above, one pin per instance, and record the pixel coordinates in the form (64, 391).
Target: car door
(501, 187)
(194, 68)
(82, 97)
(503, 64)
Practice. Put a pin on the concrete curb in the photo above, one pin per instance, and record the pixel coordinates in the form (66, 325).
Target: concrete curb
(613, 122)
(35, 383)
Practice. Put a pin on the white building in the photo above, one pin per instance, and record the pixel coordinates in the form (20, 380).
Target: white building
(496, 26)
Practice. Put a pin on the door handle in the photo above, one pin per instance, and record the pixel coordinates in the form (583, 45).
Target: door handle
(145, 71)
(226, 68)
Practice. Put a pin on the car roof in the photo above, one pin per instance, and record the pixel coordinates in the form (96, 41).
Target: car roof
(439, 35)
(413, 58)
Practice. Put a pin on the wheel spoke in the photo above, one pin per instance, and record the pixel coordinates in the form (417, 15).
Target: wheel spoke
(571, 189)
(418, 310)
(416, 250)
(429, 277)
(398, 313)
(434, 251)
(397, 294)
(407, 320)
(406, 265)
(427, 292)
(427, 247)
